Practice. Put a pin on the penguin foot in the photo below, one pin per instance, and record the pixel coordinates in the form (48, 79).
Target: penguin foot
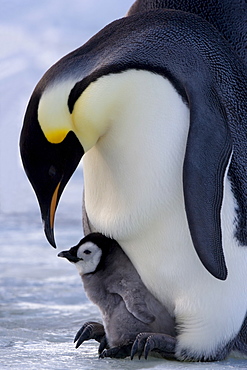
(117, 352)
(163, 344)
(91, 330)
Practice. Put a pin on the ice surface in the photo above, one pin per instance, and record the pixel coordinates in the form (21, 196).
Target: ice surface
(42, 303)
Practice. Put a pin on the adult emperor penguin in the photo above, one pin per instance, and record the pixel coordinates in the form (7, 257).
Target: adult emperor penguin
(128, 308)
(157, 102)
(228, 16)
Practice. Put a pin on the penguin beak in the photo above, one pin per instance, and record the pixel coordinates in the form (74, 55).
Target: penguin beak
(69, 256)
(48, 166)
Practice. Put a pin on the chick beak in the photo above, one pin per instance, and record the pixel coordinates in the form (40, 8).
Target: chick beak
(69, 256)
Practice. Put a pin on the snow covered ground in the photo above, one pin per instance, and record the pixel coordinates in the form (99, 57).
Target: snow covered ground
(42, 303)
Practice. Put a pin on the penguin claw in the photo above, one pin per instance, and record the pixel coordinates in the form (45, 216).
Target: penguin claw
(91, 330)
(138, 345)
(160, 343)
(117, 352)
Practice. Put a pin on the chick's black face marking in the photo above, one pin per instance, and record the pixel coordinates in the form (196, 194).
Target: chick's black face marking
(71, 255)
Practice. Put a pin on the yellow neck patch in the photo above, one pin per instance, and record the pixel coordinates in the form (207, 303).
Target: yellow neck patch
(53, 112)
(56, 136)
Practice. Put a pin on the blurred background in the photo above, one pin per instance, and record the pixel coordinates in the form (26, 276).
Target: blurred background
(33, 36)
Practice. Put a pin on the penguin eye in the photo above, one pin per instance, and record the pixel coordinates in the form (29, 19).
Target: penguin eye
(52, 171)
(87, 251)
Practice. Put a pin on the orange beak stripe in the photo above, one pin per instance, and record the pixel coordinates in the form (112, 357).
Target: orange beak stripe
(53, 206)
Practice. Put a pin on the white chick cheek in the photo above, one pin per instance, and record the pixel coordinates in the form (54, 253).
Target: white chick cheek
(90, 255)
(79, 266)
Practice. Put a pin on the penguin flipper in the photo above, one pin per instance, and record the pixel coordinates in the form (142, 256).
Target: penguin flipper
(208, 151)
(138, 309)
(134, 296)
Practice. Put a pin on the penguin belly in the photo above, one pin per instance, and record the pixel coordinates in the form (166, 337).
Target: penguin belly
(134, 194)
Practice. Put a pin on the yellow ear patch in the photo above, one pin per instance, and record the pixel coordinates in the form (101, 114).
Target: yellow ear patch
(56, 136)
(53, 112)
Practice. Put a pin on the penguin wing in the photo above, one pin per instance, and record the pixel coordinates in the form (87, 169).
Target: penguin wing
(134, 295)
(208, 153)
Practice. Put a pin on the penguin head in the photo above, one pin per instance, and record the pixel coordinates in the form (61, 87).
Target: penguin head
(63, 120)
(86, 255)
(49, 157)
(89, 253)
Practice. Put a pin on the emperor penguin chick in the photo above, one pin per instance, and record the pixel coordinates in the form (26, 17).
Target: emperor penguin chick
(130, 313)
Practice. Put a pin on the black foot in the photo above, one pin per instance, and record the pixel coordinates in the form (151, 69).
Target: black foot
(160, 343)
(91, 330)
(117, 352)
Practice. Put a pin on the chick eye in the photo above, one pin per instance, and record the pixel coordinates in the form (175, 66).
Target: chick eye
(87, 251)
